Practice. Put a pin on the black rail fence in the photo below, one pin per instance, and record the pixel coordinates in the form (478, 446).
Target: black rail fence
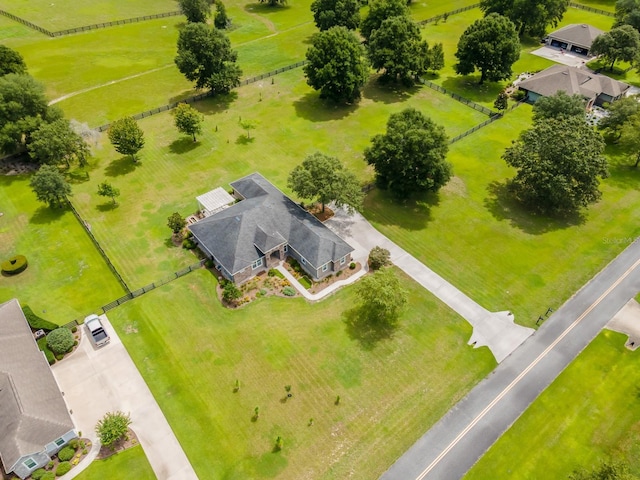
(445, 15)
(202, 96)
(455, 96)
(591, 9)
(494, 117)
(87, 229)
(85, 28)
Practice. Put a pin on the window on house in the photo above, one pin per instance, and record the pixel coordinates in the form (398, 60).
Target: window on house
(29, 463)
(303, 261)
(256, 264)
(59, 442)
(325, 267)
(286, 248)
(342, 260)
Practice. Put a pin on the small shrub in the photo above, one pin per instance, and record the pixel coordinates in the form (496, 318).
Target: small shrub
(37, 474)
(63, 468)
(74, 443)
(75, 343)
(352, 266)
(208, 263)
(60, 340)
(338, 273)
(59, 356)
(36, 322)
(188, 244)
(231, 292)
(379, 257)
(48, 476)
(85, 451)
(50, 465)
(66, 453)
(263, 291)
(289, 291)
(518, 95)
(74, 329)
(15, 265)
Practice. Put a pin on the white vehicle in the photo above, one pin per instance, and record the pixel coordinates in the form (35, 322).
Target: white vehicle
(96, 330)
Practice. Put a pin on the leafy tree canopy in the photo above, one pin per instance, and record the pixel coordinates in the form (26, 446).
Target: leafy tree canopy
(126, 136)
(529, 16)
(188, 120)
(382, 296)
(630, 139)
(379, 11)
(56, 142)
(196, 11)
(410, 156)
(621, 43)
(221, 19)
(559, 105)
(11, 62)
(336, 65)
(397, 48)
(605, 471)
(107, 190)
(559, 162)
(336, 13)
(618, 113)
(50, 186)
(325, 179)
(112, 427)
(205, 57)
(176, 222)
(628, 13)
(501, 102)
(490, 45)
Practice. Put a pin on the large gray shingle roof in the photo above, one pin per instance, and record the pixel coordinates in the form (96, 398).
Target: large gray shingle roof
(266, 218)
(32, 410)
(579, 34)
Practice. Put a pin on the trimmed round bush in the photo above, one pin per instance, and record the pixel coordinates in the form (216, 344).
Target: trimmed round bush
(379, 257)
(66, 454)
(15, 265)
(60, 340)
(63, 467)
(352, 266)
(289, 291)
(48, 476)
(38, 474)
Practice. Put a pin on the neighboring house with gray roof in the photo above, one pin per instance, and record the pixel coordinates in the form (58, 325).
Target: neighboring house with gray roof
(262, 229)
(34, 420)
(576, 38)
(594, 88)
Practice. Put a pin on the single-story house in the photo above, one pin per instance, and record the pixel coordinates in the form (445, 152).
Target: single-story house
(576, 38)
(262, 229)
(593, 87)
(34, 420)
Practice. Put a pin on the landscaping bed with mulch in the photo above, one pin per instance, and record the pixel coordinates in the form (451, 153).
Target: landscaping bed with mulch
(128, 441)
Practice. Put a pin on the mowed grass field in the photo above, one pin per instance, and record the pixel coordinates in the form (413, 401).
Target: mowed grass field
(588, 415)
(66, 277)
(131, 463)
(291, 123)
(191, 351)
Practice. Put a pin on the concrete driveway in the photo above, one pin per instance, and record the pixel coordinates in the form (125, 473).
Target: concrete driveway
(97, 381)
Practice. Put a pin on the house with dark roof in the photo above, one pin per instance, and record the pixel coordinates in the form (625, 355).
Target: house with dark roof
(262, 229)
(576, 38)
(34, 421)
(593, 87)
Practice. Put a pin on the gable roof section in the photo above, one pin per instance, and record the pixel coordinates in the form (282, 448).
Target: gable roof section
(265, 219)
(32, 410)
(572, 81)
(579, 34)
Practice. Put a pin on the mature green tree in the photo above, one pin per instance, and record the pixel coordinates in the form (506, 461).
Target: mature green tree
(397, 49)
(205, 56)
(630, 137)
(628, 13)
(336, 13)
(23, 108)
(11, 62)
(325, 179)
(411, 156)
(559, 163)
(50, 186)
(621, 43)
(379, 257)
(56, 142)
(559, 105)
(379, 11)
(618, 113)
(604, 471)
(337, 65)
(107, 190)
(529, 16)
(126, 137)
(221, 20)
(112, 427)
(176, 222)
(188, 120)
(196, 11)
(490, 45)
(382, 297)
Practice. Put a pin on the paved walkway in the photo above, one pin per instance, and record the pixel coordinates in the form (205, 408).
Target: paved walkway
(97, 381)
(495, 330)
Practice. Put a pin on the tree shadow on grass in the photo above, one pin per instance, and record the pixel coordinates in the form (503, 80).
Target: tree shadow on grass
(366, 329)
(311, 107)
(244, 139)
(107, 207)
(121, 166)
(209, 105)
(45, 215)
(503, 206)
(390, 92)
(183, 145)
(80, 175)
(264, 9)
(412, 214)
(467, 86)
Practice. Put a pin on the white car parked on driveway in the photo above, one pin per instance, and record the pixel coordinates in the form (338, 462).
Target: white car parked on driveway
(98, 334)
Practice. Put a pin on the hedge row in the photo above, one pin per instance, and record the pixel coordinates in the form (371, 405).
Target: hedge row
(36, 322)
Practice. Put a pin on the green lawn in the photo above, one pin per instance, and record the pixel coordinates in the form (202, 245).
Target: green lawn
(66, 277)
(589, 414)
(609, 5)
(477, 238)
(131, 463)
(191, 351)
(174, 170)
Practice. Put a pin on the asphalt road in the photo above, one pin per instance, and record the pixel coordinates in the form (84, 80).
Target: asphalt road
(451, 447)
